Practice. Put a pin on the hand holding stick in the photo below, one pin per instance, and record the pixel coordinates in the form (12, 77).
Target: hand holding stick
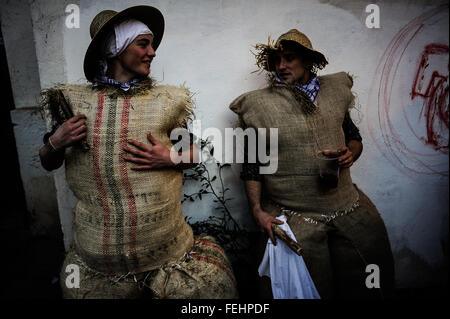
(286, 239)
(65, 108)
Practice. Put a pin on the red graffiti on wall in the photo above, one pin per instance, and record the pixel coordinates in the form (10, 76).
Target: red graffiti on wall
(435, 95)
(395, 124)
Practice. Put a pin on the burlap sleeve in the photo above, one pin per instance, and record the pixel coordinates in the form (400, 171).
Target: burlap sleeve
(351, 131)
(250, 171)
(352, 96)
(179, 115)
(240, 106)
(183, 111)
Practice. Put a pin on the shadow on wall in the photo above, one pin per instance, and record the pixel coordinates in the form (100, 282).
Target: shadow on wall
(29, 263)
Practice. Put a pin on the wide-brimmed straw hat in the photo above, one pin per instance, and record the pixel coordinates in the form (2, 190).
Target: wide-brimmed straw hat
(266, 51)
(103, 23)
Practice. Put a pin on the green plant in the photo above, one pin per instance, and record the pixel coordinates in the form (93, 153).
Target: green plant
(223, 227)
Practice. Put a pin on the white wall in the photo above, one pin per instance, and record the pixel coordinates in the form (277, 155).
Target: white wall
(207, 46)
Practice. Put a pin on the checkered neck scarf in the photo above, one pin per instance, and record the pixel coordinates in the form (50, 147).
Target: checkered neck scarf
(123, 86)
(311, 88)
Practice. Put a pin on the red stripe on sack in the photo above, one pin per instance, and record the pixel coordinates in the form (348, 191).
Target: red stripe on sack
(210, 244)
(98, 177)
(125, 181)
(216, 263)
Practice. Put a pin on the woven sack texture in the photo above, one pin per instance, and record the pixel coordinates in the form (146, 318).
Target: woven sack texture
(204, 272)
(126, 221)
(301, 137)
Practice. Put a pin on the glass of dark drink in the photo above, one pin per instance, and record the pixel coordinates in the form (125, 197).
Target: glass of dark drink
(328, 169)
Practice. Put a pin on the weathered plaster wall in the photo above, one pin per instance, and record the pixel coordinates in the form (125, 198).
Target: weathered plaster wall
(39, 186)
(207, 46)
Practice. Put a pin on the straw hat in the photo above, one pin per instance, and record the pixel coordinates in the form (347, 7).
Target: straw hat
(300, 39)
(104, 22)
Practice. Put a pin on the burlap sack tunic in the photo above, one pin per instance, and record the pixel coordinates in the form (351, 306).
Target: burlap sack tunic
(128, 224)
(339, 228)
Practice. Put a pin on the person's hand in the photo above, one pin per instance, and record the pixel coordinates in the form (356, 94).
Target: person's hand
(265, 221)
(69, 133)
(346, 157)
(148, 157)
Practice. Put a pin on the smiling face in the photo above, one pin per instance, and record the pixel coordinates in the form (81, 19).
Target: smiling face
(136, 59)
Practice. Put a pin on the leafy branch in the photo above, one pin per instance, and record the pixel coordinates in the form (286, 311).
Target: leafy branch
(224, 228)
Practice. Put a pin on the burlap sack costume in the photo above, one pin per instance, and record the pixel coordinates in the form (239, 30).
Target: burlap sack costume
(329, 223)
(129, 223)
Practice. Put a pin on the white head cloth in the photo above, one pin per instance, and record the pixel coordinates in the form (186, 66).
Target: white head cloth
(117, 41)
(124, 34)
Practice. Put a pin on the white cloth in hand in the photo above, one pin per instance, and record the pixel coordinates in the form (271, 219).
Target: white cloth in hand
(287, 270)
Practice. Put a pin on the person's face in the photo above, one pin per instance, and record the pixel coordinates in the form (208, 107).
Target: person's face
(289, 66)
(138, 56)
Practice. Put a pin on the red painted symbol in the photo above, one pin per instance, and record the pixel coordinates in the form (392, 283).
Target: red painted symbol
(435, 95)
(410, 123)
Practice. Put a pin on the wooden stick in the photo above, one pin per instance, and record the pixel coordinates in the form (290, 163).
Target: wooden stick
(287, 240)
(65, 108)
